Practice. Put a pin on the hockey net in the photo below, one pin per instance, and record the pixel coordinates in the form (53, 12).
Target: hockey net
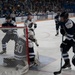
(11, 48)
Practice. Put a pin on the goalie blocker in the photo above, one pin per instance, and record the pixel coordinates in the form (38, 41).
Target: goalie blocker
(9, 62)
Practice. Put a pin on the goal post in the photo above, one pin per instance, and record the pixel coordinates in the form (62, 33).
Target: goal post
(27, 50)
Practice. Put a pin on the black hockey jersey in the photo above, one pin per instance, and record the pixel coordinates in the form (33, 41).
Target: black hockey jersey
(57, 19)
(20, 48)
(69, 29)
(9, 24)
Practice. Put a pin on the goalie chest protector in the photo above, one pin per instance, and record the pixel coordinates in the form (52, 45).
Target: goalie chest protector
(20, 48)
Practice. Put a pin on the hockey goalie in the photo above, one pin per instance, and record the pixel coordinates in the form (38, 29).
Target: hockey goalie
(20, 50)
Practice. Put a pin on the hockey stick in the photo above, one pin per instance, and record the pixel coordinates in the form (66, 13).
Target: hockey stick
(58, 72)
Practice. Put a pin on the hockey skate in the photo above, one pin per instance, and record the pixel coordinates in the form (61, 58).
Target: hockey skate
(36, 62)
(66, 66)
(3, 52)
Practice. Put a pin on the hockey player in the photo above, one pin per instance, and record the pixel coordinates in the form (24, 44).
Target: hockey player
(31, 26)
(57, 23)
(31, 36)
(30, 20)
(67, 30)
(11, 34)
(20, 49)
(20, 55)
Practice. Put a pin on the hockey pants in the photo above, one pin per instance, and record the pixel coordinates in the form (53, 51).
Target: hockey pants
(65, 47)
(6, 39)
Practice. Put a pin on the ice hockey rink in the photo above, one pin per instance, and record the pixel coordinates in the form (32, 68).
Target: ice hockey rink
(49, 52)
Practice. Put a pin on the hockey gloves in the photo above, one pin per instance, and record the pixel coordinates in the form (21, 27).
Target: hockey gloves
(35, 25)
(62, 32)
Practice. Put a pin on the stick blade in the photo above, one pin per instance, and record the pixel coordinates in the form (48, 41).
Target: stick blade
(57, 72)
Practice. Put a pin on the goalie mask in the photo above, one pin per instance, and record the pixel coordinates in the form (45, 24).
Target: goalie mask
(73, 60)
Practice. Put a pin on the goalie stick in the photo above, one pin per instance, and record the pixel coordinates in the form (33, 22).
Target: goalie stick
(58, 72)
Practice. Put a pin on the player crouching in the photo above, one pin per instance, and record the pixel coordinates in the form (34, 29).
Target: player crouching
(20, 50)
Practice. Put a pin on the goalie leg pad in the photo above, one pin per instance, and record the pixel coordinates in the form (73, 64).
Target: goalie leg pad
(9, 62)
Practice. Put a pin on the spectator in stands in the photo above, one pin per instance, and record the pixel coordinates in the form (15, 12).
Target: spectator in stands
(13, 16)
(7, 6)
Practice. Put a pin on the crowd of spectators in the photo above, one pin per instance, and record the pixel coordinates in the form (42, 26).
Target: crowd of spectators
(10, 6)
(22, 7)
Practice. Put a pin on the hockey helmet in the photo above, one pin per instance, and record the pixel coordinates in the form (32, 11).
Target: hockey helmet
(73, 60)
(65, 15)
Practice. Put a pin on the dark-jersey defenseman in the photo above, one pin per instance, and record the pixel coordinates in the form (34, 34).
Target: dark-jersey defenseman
(57, 23)
(11, 34)
(67, 30)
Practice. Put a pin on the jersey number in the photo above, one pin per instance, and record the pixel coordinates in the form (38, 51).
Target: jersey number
(19, 48)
